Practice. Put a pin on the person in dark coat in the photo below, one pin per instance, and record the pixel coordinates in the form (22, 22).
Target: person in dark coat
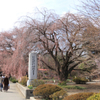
(6, 83)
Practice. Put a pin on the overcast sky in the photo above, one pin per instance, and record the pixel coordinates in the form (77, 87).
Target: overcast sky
(12, 10)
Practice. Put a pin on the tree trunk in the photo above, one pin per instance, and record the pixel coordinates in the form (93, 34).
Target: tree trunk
(63, 77)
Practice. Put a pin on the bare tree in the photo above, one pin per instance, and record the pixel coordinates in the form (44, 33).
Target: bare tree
(91, 35)
(90, 8)
(58, 37)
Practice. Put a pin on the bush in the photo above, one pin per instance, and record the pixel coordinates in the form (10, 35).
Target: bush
(95, 96)
(13, 79)
(58, 95)
(36, 82)
(68, 80)
(62, 83)
(23, 80)
(30, 87)
(79, 80)
(46, 90)
(79, 96)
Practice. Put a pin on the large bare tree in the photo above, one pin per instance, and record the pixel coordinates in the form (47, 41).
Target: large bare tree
(58, 37)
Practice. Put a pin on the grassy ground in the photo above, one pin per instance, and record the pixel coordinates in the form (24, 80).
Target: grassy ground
(72, 87)
(77, 88)
(94, 87)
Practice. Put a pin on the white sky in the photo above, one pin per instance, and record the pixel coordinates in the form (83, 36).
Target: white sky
(12, 10)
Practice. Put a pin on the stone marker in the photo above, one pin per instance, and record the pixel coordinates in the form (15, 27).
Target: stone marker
(32, 68)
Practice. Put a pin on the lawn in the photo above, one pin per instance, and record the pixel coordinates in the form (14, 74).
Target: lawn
(72, 87)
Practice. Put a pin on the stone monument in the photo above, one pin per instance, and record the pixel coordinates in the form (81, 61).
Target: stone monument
(32, 67)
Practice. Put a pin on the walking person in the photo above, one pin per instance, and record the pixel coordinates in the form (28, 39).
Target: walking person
(1, 84)
(6, 83)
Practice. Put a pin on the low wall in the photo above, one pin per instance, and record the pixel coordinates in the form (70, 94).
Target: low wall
(27, 93)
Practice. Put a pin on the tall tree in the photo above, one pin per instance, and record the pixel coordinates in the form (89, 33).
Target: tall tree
(7, 45)
(58, 37)
(14, 53)
(20, 56)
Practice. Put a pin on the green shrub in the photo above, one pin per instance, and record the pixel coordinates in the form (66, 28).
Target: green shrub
(58, 95)
(30, 87)
(36, 82)
(62, 83)
(23, 80)
(46, 90)
(79, 80)
(13, 79)
(68, 80)
(79, 96)
(95, 96)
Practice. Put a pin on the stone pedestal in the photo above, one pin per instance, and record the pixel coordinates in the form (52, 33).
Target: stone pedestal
(32, 68)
